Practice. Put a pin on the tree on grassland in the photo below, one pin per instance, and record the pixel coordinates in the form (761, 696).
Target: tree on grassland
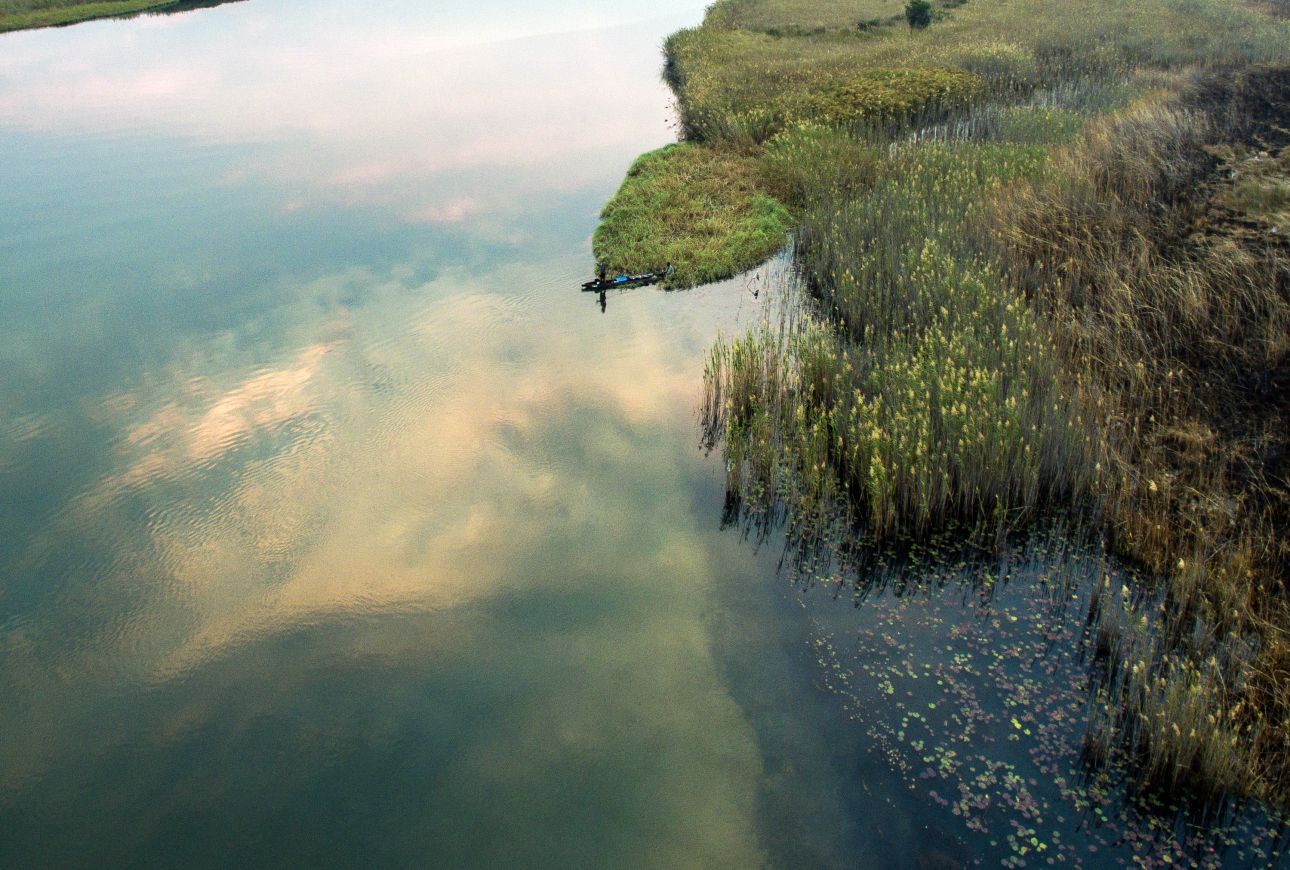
(918, 13)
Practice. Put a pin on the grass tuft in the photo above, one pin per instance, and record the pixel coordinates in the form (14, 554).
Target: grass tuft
(700, 209)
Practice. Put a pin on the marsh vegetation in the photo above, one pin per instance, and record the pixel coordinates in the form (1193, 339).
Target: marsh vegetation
(696, 208)
(1046, 264)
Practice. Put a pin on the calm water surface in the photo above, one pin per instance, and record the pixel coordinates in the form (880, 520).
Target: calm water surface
(337, 527)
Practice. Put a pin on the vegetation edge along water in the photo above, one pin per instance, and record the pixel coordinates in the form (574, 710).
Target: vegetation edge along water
(1046, 252)
(32, 14)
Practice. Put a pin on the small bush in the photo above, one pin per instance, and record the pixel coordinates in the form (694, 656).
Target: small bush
(918, 13)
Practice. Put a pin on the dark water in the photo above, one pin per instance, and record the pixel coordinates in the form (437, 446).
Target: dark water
(337, 528)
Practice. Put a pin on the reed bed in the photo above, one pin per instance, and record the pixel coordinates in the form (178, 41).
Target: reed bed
(924, 392)
(1046, 262)
(1167, 293)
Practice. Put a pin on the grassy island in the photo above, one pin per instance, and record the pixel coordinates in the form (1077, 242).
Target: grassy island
(29, 14)
(1046, 251)
(698, 209)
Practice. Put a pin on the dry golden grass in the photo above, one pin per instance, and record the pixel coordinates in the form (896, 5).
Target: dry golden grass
(1168, 294)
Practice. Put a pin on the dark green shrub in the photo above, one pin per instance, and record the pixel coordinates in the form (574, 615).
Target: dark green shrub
(918, 13)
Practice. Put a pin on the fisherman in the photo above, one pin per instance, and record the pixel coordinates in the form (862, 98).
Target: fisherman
(603, 281)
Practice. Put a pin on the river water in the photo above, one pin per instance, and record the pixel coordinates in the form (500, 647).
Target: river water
(338, 528)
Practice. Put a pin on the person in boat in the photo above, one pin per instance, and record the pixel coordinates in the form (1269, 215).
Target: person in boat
(602, 279)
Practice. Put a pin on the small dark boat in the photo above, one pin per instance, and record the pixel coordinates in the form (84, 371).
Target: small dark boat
(602, 282)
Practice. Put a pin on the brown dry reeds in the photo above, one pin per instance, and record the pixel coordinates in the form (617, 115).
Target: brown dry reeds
(1172, 316)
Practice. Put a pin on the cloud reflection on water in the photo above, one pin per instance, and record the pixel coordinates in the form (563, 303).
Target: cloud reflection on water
(457, 460)
(390, 492)
(376, 111)
(426, 491)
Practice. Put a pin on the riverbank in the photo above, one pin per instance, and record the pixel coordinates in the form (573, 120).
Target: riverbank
(32, 14)
(1046, 263)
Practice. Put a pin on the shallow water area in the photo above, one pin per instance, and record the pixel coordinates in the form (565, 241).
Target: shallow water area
(971, 678)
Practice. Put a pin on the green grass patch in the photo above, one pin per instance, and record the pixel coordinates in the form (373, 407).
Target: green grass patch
(27, 15)
(810, 16)
(727, 75)
(797, 163)
(30, 14)
(744, 86)
(879, 95)
(699, 208)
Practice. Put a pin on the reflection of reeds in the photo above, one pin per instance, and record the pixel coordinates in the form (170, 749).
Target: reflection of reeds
(1182, 713)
